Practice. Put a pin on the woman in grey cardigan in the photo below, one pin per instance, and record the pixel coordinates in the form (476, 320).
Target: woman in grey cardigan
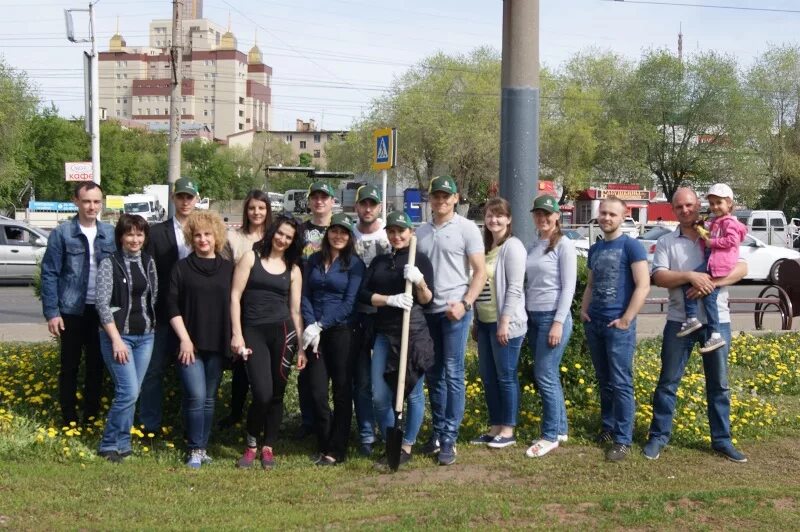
(551, 269)
(501, 324)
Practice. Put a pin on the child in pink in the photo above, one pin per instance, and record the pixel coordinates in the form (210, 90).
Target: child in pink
(722, 240)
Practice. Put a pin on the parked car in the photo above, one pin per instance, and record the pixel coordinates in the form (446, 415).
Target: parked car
(763, 260)
(629, 227)
(651, 236)
(22, 247)
(275, 202)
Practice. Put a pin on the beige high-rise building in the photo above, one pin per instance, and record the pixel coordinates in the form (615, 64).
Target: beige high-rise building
(223, 89)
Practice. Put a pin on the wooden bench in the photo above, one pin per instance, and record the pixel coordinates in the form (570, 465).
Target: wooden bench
(772, 298)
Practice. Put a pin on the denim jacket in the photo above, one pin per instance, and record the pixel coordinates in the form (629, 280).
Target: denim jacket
(65, 267)
(329, 297)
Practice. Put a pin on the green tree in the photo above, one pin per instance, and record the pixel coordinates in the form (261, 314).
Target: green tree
(17, 106)
(684, 118)
(774, 85)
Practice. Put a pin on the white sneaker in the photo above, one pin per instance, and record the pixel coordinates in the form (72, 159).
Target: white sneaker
(540, 448)
(563, 438)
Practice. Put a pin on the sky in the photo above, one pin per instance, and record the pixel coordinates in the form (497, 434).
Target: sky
(331, 58)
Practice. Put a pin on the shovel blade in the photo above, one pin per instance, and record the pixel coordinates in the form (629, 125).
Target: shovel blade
(394, 444)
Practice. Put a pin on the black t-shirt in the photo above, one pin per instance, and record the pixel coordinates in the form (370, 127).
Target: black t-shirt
(385, 276)
(312, 238)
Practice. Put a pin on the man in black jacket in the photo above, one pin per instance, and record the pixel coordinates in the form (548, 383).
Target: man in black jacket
(166, 245)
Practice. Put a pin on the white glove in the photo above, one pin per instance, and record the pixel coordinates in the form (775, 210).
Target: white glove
(311, 332)
(403, 301)
(315, 344)
(412, 273)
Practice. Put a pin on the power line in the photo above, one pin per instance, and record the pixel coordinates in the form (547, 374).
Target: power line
(707, 6)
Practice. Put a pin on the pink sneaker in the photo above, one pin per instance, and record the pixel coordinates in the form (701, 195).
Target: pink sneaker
(247, 459)
(267, 460)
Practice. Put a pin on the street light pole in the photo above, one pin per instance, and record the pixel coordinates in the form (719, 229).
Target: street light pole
(95, 94)
(519, 112)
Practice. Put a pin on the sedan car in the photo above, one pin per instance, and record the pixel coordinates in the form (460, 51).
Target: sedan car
(22, 247)
(763, 260)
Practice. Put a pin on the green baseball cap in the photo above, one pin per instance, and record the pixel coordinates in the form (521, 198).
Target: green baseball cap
(546, 203)
(399, 219)
(321, 186)
(186, 185)
(368, 192)
(443, 183)
(342, 220)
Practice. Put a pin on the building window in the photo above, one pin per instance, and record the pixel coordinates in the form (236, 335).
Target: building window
(316, 154)
(148, 110)
(117, 100)
(166, 111)
(205, 112)
(157, 112)
(125, 113)
(125, 76)
(119, 76)
(138, 110)
(302, 144)
(205, 99)
(158, 43)
(316, 137)
(118, 113)
(140, 99)
(124, 100)
(288, 138)
(183, 99)
(183, 110)
(241, 101)
(241, 113)
(212, 99)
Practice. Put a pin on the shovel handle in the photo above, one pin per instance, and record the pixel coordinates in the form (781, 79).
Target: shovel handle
(401, 368)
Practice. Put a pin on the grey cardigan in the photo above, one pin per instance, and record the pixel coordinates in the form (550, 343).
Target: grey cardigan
(509, 278)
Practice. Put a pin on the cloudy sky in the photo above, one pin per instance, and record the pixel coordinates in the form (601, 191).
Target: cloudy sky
(331, 58)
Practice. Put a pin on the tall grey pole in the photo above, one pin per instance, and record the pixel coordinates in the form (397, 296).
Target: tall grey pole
(519, 112)
(176, 53)
(95, 99)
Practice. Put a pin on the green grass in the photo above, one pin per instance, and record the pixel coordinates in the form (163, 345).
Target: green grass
(45, 487)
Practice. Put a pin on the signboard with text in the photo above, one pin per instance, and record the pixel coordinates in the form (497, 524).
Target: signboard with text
(80, 171)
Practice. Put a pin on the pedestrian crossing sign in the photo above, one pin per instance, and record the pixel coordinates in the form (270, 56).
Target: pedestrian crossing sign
(384, 143)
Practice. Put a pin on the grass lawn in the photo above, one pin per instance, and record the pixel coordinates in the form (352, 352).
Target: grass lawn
(51, 479)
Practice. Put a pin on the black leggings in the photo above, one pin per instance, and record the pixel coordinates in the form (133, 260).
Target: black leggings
(274, 346)
(335, 363)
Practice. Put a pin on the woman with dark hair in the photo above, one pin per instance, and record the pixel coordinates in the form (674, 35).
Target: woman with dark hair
(199, 311)
(552, 270)
(331, 279)
(384, 288)
(265, 317)
(501, 323)
(256, 217)
(127, 288)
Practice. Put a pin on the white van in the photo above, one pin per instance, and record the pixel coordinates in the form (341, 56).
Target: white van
(295, 201)
(768, 226)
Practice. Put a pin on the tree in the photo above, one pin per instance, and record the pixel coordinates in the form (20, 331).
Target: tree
(683, 118)
(774, 85)
(17, 106)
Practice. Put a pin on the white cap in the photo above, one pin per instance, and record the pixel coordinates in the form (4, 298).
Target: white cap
(721, 190)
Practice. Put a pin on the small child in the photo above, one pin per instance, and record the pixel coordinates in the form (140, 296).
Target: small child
(721, 242)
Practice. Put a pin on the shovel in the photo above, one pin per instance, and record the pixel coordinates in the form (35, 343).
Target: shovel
(394, 435)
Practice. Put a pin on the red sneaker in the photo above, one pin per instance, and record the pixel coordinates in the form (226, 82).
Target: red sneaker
(267, 460)
(247, 458)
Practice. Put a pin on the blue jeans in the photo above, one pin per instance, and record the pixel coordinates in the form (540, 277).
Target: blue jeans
(383, 398)
(165, 346)
(446, 377)
(127, 383)
(709, 303)
(200, 383)
(612, 356)
(362, 390)
(674, 356)
(547, 371)
(498, 367)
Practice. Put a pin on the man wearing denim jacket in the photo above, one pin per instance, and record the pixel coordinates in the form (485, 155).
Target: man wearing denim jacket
(69, 268)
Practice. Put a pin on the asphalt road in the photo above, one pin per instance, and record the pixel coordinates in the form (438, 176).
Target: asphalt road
(19, 305)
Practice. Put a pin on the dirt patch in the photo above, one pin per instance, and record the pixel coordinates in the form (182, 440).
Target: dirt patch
(569, 515)
(683, 503)
(784, 504)
(454, 474)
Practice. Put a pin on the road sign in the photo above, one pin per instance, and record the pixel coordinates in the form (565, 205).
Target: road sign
(78, 171)
(384, 148)
(115, 202)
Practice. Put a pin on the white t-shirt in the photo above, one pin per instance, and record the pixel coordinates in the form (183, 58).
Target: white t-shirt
(183, 248)
(91, 234)
(370, 245)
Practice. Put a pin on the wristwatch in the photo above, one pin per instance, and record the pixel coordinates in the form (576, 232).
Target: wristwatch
(467, 306)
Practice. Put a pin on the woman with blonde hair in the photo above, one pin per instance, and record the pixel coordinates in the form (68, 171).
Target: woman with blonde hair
(501, 323)
(199, 310)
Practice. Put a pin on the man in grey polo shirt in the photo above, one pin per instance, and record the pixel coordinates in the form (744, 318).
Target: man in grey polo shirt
(454, 245)
(677, 256)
